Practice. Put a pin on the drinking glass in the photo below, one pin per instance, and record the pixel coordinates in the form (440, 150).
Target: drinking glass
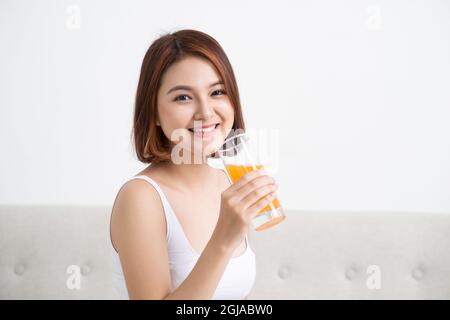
(239, 156)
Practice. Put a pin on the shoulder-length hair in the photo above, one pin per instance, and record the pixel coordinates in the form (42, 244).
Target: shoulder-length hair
(150, 143)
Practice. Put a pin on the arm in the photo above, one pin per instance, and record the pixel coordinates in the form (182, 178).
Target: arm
(206, 274)
(139, 234)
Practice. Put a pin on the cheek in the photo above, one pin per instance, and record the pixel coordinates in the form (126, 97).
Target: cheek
(173, 118)
(227, 113)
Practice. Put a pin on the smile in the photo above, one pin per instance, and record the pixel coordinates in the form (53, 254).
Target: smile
(205, 132)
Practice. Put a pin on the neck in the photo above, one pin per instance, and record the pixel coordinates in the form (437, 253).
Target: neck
(191, 176)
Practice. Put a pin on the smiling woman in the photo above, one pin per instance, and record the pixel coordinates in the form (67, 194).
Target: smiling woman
(179, 230)
(201, 66)
(193, 104)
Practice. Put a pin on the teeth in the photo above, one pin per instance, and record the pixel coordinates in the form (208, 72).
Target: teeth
(203, 130)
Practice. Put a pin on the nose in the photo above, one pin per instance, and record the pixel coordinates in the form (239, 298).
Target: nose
(204, 111)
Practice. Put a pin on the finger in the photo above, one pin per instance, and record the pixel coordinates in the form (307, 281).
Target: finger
(246, 178)
(254, 185)
(257, 194)
(254, 209)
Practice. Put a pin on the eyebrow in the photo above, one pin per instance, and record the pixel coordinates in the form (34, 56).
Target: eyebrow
(181, 87)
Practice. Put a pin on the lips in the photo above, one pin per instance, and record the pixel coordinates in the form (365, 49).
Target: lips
(205, 133)
(205, 129)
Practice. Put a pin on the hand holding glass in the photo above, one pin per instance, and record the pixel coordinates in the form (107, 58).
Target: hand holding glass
(239, 158)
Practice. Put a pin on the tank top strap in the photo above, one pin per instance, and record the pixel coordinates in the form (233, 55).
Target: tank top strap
(175, 231)
(166, 205)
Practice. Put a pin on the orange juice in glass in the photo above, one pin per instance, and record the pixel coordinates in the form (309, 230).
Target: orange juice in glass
(239, 158)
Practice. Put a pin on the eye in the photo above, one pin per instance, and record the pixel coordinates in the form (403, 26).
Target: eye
(181, 97)
(222, 92)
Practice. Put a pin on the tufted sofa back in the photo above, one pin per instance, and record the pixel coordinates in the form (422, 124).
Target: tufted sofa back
(311, 255)
(361, 255)
(42, 247)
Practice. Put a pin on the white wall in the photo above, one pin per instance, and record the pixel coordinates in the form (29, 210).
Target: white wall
(358, 89)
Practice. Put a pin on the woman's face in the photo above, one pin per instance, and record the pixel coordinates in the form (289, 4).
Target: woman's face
(192, 95)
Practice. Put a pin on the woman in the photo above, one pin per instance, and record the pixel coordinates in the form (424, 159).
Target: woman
(179, 229)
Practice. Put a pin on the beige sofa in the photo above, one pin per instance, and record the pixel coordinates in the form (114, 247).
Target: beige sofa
(312, 255)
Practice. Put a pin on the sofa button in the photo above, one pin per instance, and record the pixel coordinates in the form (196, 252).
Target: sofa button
(417, 273)
(19, 269)
(283, 272)
(85, 270)
(350, 274)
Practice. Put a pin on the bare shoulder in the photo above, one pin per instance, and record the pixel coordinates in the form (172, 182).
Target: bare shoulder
(137, 199)
(136, 193)
(138, 233)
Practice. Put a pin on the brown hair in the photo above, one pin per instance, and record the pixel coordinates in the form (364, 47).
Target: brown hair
(151, 145)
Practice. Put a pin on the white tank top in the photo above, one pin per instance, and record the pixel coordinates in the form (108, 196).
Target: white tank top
(237, 279)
